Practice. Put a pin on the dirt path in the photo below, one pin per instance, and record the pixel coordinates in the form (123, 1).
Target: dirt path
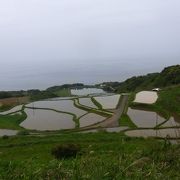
(114, 120)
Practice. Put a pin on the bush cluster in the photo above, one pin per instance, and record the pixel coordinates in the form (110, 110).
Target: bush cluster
(65, 150)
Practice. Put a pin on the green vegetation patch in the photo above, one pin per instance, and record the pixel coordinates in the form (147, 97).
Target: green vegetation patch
(12, 121)
(96, 103)
(169, 99)
(102, 112)
(104, 156)
(126, 121)
(6, 107)
(63, 92)
(168, 77)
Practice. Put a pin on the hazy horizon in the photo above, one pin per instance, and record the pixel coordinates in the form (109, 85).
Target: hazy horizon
(45, 43)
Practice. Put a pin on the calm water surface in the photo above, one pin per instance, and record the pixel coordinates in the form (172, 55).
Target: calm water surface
(62, 105)
(17, 108)
(144, 118)
(90, 119)
(108, 102)
(87, 102)
(146, 97)
(47, 120)
(86, 91)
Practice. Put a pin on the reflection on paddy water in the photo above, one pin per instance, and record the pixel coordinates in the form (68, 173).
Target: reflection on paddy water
(171, 122)
(146, 97)
(63, 105)
(143, 118)
(108, 102)
(87, 102)
(86, 91)
(90, 119)
(47, 120)
(16, 108)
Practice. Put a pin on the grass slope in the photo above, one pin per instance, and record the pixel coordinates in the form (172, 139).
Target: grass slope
(126, 121)
(103, 156)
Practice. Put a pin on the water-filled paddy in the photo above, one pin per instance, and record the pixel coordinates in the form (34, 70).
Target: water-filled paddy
(14, 109)
(144, 118)
(108, 102)
(63, 105)
(86, 91)
(47, 120)
(171, 122)
(170, 132)
(87, 102)
(146, 97)
(7, 132)
(60, 98)
(90, 119)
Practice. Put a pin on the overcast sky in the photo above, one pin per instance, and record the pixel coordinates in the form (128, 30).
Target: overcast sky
(50, 42)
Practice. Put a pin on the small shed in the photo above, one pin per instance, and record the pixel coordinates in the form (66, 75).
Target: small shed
(156, 89)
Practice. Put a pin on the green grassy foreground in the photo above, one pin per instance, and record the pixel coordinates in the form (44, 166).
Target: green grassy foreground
(102, 156)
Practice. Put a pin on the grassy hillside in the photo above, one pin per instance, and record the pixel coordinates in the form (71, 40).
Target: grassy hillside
(101, 156)
(168, 77)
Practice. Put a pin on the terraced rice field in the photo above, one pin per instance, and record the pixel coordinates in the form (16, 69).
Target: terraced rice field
(171, 122)
(87, 102)
(47, 120)
(145, 119)
(16, 108)
(63, 105)
(146, 97)
(90, 119)
(86, 91)
(108, 102)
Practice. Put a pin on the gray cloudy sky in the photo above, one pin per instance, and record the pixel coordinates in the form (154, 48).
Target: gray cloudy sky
(49, 42)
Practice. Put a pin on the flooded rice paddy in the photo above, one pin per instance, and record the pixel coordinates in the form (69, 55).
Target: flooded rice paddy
(16, 108)
(171, 122)
(90, 119)
(86, 91)
(87, 102)
(108, 102)
(146, 97)
(143, 118)
(47, 120)
(63, 105)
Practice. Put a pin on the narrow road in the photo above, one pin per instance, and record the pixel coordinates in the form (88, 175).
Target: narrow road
(114, 120)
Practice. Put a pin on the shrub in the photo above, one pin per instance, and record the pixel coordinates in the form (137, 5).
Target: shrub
(65, 151)
(22, 133)
(5, 137)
